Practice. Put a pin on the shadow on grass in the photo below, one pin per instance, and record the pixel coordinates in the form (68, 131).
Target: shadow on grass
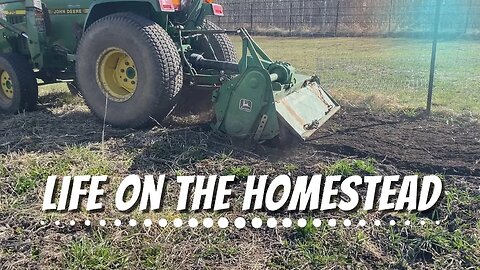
(44, 131)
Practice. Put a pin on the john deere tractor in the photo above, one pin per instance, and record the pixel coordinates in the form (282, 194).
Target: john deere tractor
(130, 59)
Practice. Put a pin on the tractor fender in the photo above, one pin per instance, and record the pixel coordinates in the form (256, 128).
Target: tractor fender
(102, 8)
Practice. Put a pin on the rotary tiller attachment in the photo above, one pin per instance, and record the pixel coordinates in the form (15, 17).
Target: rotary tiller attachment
(266, 95)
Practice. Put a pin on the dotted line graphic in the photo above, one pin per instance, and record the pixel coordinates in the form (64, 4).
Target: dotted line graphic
(241, 223)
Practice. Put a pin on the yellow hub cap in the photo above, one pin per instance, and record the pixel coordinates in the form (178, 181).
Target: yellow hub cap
(117, 74)
(6, 84)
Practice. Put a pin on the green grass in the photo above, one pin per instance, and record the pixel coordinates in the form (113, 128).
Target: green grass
(347, 168)
(455, 196)
(290, 168)
(74, 161)
(324, 248)
(386, 72)
(153, 256)
(388, 247)
(94, 253)
(307, 231)
(218, 247)
(241, 172)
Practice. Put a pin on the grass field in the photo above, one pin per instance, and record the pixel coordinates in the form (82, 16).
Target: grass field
(387, 72)
(382, 82)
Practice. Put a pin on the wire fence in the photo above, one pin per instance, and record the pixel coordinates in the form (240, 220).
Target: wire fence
(376, 72)
(351, 18)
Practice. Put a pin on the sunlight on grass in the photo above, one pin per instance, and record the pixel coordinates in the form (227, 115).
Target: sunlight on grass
(94, 253)
(392, 70)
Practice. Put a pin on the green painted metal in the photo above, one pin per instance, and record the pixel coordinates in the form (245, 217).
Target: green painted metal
(36, 32)
(267, 94)
(101, 8)
(66, 18)
(241, 103)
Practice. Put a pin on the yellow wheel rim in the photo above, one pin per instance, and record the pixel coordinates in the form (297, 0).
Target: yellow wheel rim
(6, 84)
(117, 74)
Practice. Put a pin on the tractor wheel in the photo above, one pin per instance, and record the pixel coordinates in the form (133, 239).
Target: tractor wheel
(128, 70)
(220, 43)
(18, 86)
(199, 101)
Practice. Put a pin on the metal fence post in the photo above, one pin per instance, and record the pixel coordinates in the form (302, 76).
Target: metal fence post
(467, 20)
(336, 18)
(434, 56)
(390, 18)
(251, 17)
(291, 18)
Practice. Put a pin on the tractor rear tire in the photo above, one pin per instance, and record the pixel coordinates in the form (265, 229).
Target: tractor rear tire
(128, 70)
(199, 101)
(221, 44)
(18, 85)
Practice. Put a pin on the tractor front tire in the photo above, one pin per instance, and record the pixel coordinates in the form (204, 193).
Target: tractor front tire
(18, 86)
(128, 70)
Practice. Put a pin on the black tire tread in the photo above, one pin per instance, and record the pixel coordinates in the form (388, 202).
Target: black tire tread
(222, 43)
(166, 55)
(195, 101)
(27, 80)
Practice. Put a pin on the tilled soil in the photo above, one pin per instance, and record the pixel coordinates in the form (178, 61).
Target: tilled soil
(427, 145)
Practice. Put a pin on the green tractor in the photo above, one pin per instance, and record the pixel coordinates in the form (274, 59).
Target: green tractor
(131, 60)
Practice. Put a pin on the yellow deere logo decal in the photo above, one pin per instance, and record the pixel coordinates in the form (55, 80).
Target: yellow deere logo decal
(15, 12)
